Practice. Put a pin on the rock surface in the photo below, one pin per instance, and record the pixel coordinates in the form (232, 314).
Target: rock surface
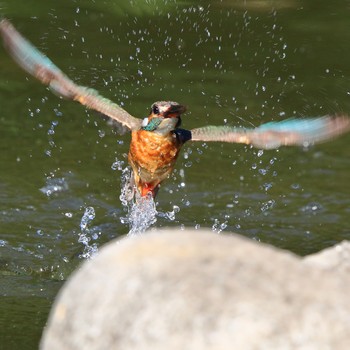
(199, 290)
(336, 259)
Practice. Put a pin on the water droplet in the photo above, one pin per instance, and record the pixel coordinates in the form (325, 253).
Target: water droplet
(86, 234)
(54, 185)
(267, 205)
(272, 161)
(312, 207)
(267, 186)
(40, 232)
(170, 215)
(219, 227)
(295, 186)
(260, 153)
(88, 216)
(118, 165)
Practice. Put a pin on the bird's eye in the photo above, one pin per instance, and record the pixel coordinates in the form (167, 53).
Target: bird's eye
(155, 110)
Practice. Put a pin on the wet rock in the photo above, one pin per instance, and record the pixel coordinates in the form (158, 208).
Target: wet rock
(199, 290)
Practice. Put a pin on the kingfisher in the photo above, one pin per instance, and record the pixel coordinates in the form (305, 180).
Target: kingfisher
(157, 139)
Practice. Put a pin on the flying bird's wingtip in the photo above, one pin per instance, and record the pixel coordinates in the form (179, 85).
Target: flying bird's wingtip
(340, 123)
(4, 23)
(6, 30)
(344, 118)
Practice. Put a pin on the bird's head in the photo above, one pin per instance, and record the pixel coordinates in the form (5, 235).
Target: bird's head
(164, 117)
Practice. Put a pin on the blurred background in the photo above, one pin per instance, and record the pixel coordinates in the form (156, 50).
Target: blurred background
(233, 62)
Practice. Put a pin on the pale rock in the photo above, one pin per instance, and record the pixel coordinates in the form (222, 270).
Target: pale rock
(197, 290)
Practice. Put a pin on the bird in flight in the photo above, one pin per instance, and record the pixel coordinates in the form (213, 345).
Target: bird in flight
(157, 140)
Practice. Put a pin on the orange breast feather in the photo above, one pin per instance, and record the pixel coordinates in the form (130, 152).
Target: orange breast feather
(153, 152)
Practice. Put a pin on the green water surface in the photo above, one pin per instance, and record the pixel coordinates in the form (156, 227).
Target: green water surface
(236, 62)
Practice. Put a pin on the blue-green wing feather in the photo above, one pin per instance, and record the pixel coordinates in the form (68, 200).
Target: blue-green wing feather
(42, 68)
(288, 132)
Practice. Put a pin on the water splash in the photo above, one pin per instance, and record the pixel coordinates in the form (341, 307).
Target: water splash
(141, 211)
(54, 185)
(218, 226)
(127, 188)
(87, 234)
(141, 215)
(169, 215)
(312, 208)
(268, 205)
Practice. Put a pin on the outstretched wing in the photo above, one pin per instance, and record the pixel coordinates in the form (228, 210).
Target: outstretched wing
(288, 132)
(38, 65)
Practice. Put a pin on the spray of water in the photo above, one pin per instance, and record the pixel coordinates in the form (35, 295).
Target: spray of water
(141, 215)
(141, 211)
(87, 234)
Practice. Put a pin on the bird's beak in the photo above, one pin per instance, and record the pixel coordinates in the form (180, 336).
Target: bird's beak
(175, 111)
